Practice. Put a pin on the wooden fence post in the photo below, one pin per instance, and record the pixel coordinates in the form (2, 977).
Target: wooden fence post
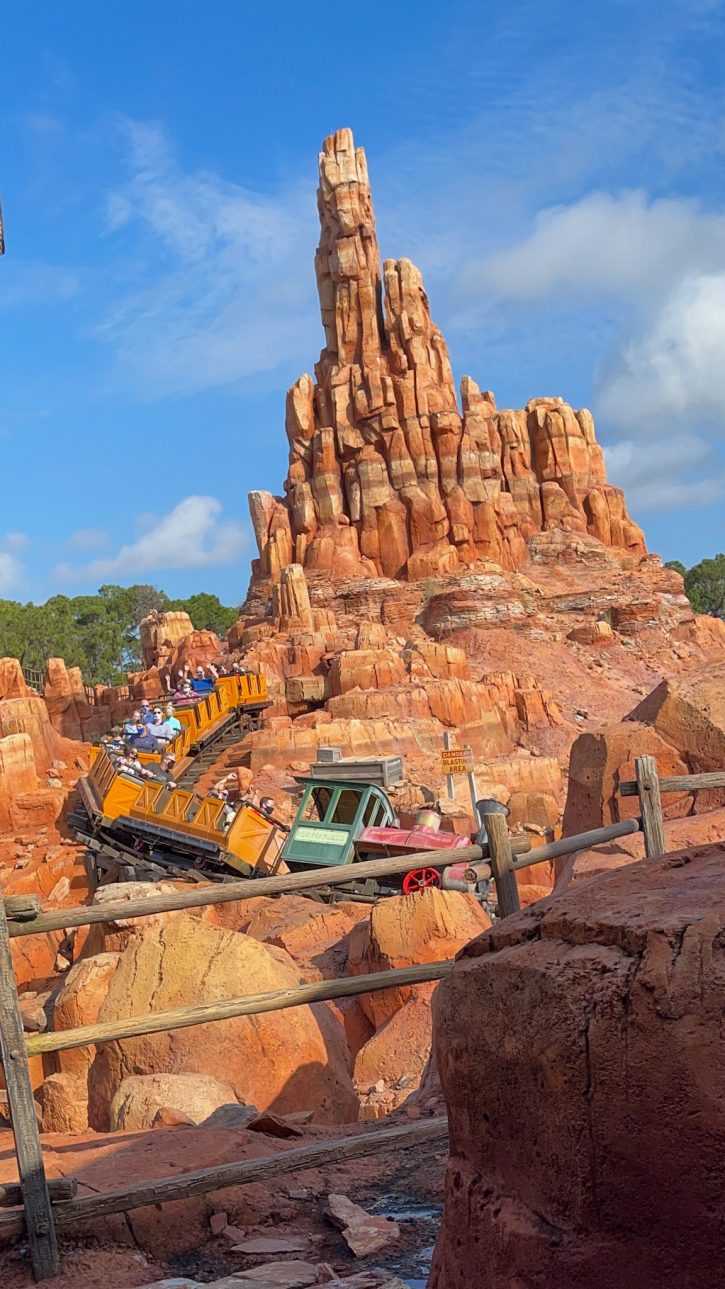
(653, 824)
(501, 858)
(33, 1184)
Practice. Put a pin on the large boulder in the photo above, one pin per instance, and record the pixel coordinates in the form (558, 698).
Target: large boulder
(580, 1051)
(426, 927)
(689, 713)
(78, 1003)
(693, 830)
(141, 1096)
(314, 935)
(601, 761)
(284, 1061)
(63, 1101)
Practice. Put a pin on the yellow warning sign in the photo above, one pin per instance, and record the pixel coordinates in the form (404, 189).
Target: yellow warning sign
(457, 760)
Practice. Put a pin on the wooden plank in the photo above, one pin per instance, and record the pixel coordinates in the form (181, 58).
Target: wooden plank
(507, 891)
(582, 841)
(58, 1188)
(679, 783)
(63, 1040)
(38, 1215)
(70, 1213)
(653, 823)
(228, 892)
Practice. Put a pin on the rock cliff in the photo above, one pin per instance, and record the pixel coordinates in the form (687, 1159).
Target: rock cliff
(387, 474)
(578, 1048)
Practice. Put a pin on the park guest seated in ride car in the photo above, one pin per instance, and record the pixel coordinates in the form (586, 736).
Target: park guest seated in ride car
(146, 713)
(164, 773)
(162, 730)
(203, 682)
(143, 740)
(128, 763)
(172, 720)
(129, 728)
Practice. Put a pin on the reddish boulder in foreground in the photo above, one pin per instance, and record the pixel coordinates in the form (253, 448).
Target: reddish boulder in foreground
(284, 1061)
(580, 1051)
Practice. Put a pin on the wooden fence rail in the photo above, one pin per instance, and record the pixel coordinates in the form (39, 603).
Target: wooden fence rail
(72, 1211)
(229, 892)
(63, 1040)
(45, 1208)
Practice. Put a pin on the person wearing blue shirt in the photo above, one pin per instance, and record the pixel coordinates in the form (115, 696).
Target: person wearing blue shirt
(142, 739)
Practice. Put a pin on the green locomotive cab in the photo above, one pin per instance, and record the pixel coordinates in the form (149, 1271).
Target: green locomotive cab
(329, 820)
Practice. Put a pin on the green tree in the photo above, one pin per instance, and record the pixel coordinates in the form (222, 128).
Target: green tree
(98, 633)
(207, 612)
(705, 586)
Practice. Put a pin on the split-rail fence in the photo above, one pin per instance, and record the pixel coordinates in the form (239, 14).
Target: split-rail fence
(37, 1207)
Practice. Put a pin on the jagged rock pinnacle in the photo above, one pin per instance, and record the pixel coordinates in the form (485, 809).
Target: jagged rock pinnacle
(387, 475)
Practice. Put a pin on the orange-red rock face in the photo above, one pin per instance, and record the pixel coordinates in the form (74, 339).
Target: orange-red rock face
(160, 633)
(387, 475)
(578, 1048)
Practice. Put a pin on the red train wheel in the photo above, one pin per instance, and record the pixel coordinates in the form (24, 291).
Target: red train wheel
(419, 879)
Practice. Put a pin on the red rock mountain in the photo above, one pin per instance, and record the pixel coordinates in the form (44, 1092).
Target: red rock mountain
(388, 475)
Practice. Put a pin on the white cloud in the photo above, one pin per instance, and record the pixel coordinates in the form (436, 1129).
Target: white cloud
(675, 364)
(88, 539)
(230, 292)
(10, 572)
(652, 275)
(16, 541)
(655, 474)
(192, 535)
(605, 245)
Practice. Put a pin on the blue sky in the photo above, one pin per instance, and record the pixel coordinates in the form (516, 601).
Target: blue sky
(556, 170)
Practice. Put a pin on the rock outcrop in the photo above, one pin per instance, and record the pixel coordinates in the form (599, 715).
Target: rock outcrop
(281, 1060)
(580, 1052)
(161, 633)
(681, 723)
(141, 1097)
(387, 475)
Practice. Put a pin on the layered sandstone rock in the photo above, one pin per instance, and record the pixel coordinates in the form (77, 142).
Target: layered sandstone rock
(161, 633)
(12, 681)
(580, 1053)
(387, 475)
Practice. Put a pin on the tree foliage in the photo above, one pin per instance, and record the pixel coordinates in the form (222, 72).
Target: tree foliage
(704, 584)
(98, 633)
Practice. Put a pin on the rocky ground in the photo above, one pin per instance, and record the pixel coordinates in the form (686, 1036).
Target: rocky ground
(200, 1238)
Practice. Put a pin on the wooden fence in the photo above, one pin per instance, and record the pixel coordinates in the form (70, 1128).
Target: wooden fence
(55, 1204)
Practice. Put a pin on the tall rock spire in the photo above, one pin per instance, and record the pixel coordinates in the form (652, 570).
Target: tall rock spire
(387, 476)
